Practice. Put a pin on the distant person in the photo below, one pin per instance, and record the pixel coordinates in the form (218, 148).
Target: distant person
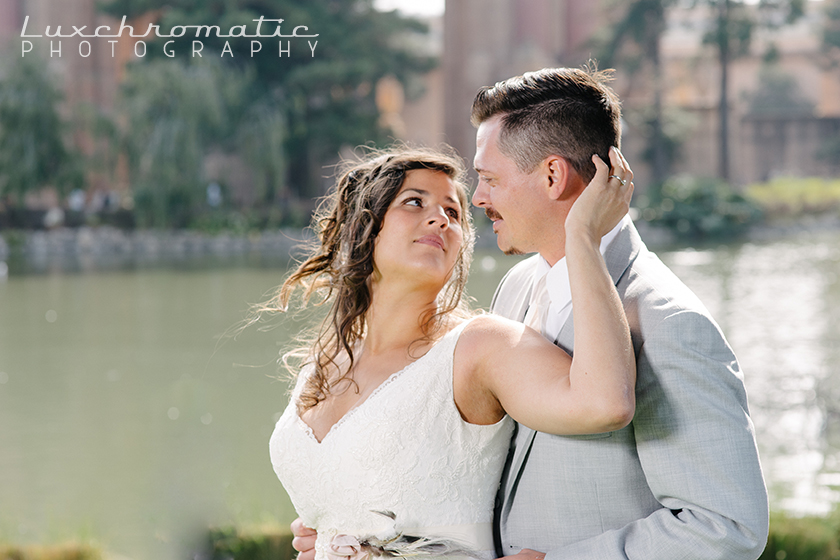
(398, 428)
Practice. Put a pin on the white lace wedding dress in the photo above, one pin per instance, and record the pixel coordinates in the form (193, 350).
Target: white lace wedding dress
(401, 462)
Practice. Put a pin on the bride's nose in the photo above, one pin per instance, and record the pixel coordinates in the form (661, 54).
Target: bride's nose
(439, 217)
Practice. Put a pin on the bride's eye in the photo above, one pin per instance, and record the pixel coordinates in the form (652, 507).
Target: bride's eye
(413, 201)
(453, 213)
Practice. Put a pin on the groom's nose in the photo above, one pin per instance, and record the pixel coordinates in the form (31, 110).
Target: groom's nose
(481, 195)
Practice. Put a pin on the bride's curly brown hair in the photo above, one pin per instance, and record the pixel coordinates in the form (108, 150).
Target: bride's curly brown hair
(339, 267)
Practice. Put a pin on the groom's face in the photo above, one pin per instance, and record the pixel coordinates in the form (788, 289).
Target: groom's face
(509, 197)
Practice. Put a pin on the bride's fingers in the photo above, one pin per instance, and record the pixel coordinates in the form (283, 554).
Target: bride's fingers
(601, 168)
(619, 171)
(626, 165)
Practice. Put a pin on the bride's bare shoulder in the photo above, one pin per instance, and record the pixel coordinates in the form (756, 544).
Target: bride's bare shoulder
(487, 331)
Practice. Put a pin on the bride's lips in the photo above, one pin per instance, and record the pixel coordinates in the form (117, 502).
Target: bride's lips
(433, 240)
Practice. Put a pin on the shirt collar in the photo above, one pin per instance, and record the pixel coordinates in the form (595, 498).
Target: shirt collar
(557, 282)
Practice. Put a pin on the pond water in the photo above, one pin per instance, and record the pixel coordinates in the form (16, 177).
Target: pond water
(130, 417)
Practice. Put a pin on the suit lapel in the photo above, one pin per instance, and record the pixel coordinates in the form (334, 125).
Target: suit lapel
(623, 251)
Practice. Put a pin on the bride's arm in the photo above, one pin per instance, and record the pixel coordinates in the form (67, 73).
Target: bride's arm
(537, 383)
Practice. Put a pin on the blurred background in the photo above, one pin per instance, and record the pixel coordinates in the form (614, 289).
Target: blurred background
(152, 188)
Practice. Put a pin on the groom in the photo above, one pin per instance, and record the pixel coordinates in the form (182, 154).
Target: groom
(683, 479)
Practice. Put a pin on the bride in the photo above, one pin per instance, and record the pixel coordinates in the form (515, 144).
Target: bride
(397, 430)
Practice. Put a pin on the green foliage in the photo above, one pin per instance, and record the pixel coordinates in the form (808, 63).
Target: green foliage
(176, 113)
(777, 94)
(791, 538)
(71, 551)
(831, 32)
(323, 102)
(264, 544)
(787, 197)
(807, 538)
(641, 24)
(696, 208)
(732, 29)
(730, 34)
(675, 126)
(261, 137)
(641, 27)
(830, 151)
(33, 152)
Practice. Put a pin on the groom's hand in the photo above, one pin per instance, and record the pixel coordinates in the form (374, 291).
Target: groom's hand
(525, 554)
(304, 541)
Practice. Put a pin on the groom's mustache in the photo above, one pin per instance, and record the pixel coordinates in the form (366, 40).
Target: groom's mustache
(492, 214)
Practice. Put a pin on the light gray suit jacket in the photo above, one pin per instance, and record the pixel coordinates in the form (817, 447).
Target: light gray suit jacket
(683, 480)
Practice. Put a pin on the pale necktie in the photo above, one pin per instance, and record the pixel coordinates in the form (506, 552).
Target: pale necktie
(538, 306)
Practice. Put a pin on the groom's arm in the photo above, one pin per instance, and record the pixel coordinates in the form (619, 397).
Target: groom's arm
(696, 444)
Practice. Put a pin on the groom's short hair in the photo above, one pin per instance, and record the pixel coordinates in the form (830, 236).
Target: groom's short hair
(569, 112)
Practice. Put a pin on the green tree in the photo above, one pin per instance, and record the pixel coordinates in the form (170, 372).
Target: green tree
(33, 150)
(175, 115)
(327, 100)
(831, 31)
(830, 149)
(730, 33)
(642, 25)
(777, 92)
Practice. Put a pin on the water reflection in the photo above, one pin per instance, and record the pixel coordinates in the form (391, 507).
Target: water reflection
(778, 304)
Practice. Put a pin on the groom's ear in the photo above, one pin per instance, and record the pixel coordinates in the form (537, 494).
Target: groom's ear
(559, 174)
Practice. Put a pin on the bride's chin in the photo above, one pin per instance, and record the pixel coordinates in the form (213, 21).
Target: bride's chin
(416, 279)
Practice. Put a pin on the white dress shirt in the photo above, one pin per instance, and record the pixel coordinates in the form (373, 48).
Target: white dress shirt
(557, 286)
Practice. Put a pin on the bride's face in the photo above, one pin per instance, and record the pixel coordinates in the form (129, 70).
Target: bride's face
(421, 236)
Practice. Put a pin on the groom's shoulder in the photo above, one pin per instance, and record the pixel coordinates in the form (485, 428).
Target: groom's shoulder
(523, 270)
(514, 284)
(519, 278)
(655, 289)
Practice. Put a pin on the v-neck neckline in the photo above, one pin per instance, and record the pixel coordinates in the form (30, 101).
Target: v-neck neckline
(349, 414)
(308, 429)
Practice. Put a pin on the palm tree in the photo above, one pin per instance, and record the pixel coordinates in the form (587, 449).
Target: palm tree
(730, 34)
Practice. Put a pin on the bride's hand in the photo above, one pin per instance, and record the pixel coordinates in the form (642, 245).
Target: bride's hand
(605, 200)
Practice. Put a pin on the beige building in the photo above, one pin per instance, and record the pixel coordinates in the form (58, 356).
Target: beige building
(763, 145)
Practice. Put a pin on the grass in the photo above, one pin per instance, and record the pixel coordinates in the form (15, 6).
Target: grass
(788, 197)
(791, 538)
(803, 538)
(67, 551)
(264, 543)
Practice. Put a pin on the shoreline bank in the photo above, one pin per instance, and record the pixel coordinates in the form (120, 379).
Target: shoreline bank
(109, 248)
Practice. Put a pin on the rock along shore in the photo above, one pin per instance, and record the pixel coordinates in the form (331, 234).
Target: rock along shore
(107, 247)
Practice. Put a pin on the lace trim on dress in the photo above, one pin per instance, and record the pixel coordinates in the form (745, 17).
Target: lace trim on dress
(391, 378)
